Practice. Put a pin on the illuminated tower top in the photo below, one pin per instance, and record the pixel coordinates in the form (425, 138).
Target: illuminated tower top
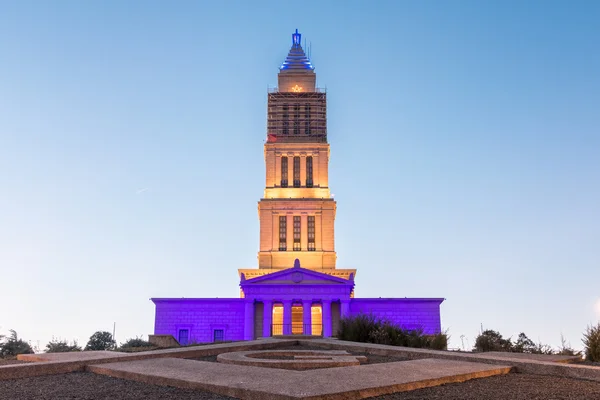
(297, 108)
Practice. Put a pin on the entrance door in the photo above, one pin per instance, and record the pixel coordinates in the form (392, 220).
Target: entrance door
(316, 319)
(297, 326)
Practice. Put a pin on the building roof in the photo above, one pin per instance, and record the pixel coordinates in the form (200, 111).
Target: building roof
(296, 60)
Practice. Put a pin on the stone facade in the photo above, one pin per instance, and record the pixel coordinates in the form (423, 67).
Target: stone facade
(297, 227)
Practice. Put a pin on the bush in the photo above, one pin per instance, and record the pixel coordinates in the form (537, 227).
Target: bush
(61, 346)
(566, 349)
(524, 344)
(490, 340)
(591, 341)
(369, 329)
(100, 340)
(358, 328)
(137, 342)
(14, 346)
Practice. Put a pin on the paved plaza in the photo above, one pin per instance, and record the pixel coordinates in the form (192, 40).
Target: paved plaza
(396, 369)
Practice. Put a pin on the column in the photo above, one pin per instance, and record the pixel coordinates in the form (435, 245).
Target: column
(275, 235)
(287, 317)
(345, 308)
(316, 168)
(249, 320)
(306, 316)
(267, 317)
(277, 170)
(290, 236)
(326, 305)
(304, 231)
(318, 231)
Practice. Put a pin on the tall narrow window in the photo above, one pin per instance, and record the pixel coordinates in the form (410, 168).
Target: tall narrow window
(296, 119)
(183, 337)
(311, 233)
(286, 121)
(309, 171)
(297, 234)
(307, 119)
(218, 335)
(296, 171)
(284, 172)
(282, 233)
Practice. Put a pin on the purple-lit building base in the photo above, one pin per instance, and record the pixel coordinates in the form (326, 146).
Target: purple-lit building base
(290, 301)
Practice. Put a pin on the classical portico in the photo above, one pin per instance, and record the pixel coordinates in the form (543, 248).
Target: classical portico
(294, 301)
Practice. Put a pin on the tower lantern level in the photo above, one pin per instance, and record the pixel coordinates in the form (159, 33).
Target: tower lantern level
(297, 212)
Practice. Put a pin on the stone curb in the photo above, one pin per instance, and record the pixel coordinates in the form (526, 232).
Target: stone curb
(552, 368)
(51, 364)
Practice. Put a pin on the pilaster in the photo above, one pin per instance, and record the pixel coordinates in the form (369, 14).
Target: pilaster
(267, 317)
(249, 320)
(287, 317)
(326, 307)
(306, 316)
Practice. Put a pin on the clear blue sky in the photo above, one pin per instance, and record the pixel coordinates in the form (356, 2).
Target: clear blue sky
(465, 156)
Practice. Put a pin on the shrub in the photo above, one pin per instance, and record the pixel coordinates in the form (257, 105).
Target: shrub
(439, 341)
(137, 342)
(591, 341)
(524, 344)
(100, 340)
(14, 346)
(61, 346)
(490, 340)
(566, 349)
(369, 329)
(357, 328)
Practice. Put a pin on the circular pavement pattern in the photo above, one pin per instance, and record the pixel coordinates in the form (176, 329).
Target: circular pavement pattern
(292, 359)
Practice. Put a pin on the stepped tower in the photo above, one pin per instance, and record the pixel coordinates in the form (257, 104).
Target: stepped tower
(297, 212)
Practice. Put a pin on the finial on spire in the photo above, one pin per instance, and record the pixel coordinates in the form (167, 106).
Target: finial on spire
(296, 38)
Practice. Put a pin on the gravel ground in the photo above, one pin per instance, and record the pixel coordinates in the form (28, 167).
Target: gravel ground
(88, 386)
(6, 361)
(507, 387)
(371, 358)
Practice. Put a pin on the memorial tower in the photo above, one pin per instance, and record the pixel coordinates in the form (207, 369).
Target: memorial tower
(297, 212)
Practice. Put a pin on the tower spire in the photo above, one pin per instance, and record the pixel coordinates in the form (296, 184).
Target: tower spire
(296, 60)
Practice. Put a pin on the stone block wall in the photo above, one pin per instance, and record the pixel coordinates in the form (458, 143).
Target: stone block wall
(201, 317)
(408, 313)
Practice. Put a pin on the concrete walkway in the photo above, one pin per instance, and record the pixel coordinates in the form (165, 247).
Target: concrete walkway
(248, 382)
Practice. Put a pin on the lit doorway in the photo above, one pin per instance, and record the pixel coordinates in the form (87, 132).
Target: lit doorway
(297, 320)
(316, 319)
(277, 328)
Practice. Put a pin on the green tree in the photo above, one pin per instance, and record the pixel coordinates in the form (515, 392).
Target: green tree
(490, 340)
(61, 346)
(100, 340)
(137, 342)
(591, 341)
(524, 344)
(14, 346)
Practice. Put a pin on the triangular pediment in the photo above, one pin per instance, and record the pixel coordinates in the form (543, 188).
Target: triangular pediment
(296, 276)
